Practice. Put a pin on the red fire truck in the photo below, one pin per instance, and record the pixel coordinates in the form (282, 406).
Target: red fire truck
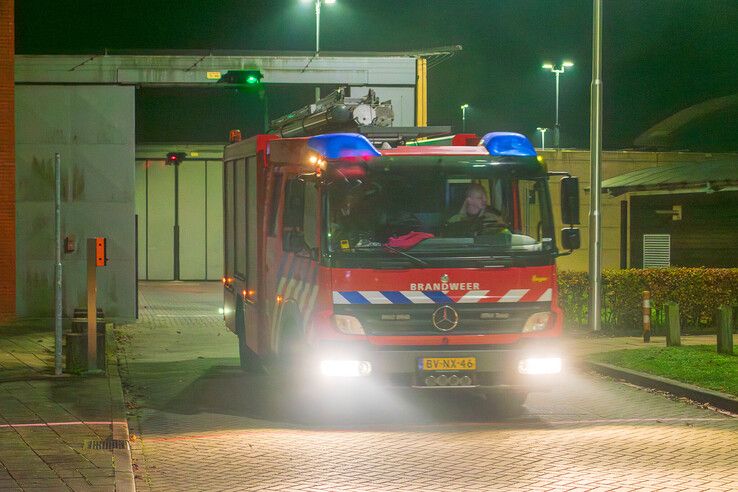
(424, 266)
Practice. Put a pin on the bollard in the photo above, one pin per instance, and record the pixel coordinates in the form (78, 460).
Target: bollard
(646, 316)
(673, 338)
(725, 330)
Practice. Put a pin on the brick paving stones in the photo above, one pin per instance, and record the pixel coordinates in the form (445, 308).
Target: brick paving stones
(202, 424)
(46, 421)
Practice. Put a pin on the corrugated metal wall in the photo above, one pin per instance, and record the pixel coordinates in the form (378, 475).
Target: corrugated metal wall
(200, 219)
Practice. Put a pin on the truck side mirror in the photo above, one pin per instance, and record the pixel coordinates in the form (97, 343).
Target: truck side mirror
(570, 238)
(570, 200)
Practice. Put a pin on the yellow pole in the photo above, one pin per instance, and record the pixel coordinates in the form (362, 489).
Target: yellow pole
(421, 91)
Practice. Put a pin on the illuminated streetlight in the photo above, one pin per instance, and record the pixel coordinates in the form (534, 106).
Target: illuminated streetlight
(463, 117)
(558, 70)
(317, 20)
(543, 137)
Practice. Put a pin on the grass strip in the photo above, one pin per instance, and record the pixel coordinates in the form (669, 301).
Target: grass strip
(700, 365)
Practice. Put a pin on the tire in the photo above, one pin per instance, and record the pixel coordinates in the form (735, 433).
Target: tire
(505, 404)
(248, 359)
(291, 346)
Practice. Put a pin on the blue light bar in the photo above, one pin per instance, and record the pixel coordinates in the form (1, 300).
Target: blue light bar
(508, 143)
(343, 145)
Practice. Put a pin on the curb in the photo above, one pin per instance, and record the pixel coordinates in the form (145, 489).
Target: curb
(722, 401)
(123, 463)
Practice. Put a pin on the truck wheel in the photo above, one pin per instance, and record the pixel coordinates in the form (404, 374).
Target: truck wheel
(505, 404)
(291, 349)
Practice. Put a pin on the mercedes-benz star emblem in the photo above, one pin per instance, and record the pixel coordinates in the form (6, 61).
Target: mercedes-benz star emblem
(445, 318)
(444, 278)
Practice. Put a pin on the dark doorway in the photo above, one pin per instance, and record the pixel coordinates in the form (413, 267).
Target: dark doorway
(703, 227)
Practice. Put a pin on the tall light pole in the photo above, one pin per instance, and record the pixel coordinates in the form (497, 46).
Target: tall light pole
(463, 117)
(557, 70)
(317, 20)
(543, 137)
(595, 149)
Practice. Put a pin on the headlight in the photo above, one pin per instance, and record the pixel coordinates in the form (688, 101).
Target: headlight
(538, 322)
(533, 366)
(345, 368)
(348, 325)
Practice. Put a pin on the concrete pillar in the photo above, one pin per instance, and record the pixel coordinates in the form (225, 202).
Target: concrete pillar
(7, 160)
(673, 331)
(725, 330)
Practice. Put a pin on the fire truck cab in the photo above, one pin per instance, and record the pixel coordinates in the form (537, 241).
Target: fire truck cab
(424, 266)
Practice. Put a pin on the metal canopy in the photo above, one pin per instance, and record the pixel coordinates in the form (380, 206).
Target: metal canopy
(204, 68)
(705, 176)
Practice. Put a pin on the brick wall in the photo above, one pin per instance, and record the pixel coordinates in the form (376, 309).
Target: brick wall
(7, 161)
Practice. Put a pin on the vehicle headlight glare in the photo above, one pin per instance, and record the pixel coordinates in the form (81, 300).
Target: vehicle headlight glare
(348, 325)
(543, 365)
(345, 368)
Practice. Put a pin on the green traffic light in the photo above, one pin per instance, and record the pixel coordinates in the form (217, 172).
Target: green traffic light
(252, 79)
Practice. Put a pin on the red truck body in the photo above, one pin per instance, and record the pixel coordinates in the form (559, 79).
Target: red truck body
(463, 310)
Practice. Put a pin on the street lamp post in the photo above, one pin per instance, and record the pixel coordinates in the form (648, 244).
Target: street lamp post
(317, 21)
(558, 70)
(543, 137)
(463, 117)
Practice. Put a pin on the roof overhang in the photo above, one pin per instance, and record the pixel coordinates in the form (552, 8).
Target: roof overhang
(706, 177)
(205, 68)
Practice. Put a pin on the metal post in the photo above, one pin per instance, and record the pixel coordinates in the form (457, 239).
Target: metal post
(317, 27)
(58, 268)
(543, 137)
(646, 316)
(556, 128)
(265, 100)
(463, 120)
(595, 146)
(176, 221)
(91, 306)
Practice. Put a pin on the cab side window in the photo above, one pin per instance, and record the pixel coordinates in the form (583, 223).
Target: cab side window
(274, 205)
(294, 210)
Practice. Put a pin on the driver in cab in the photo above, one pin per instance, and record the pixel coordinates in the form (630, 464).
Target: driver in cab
(349, 220)
(476, 216)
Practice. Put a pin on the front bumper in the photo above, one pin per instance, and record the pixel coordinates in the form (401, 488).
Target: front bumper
(496, 366)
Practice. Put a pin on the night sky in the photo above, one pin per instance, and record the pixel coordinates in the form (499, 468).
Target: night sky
(660, 56)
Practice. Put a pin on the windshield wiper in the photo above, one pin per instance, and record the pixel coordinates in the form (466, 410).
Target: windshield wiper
(396, 251)
(414, 259)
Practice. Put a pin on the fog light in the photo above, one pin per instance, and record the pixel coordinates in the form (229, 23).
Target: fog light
(549, 365)
(348, 325)
(345, 368)
(465, 381)
(538, 322)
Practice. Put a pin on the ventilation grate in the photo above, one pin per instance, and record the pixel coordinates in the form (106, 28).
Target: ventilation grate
(656, 250)
(107, 444)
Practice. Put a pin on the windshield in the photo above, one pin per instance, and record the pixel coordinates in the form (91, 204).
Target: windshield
(421, 209)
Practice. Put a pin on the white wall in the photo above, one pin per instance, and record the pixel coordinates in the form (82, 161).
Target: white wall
(93, 130)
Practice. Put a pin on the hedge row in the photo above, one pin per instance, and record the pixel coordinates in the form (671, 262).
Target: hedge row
(698, 291)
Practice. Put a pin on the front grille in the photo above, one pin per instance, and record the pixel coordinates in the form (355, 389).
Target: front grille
(416, 319)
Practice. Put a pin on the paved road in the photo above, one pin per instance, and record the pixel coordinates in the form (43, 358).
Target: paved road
(204, 425)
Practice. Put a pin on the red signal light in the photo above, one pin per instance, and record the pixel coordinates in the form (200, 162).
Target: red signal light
(176, 158)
